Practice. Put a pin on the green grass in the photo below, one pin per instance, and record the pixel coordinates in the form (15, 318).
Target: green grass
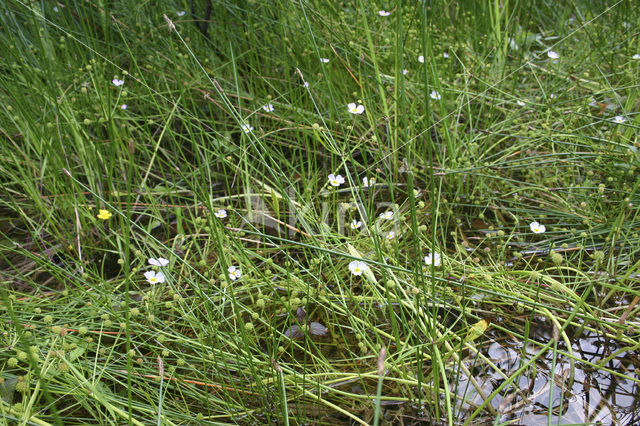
(298, 338)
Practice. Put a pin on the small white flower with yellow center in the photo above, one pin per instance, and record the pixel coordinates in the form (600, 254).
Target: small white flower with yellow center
(357, 267)
(247, 128)
(355, 109)
(553, 55)
(520, 103)
(324, 60)
(220, 214)
(383, 13)
(154, 277)
(267, 108)
(234, 273)
(536, 228)
(336, 180)
(161, 261)
(117, 82)
(421, 59)
(435, 95)
(405, 71)
(636, 56)
(619, 119)
(391, 235)
(181, 13)
(355, 224)
(445, 55)
(388, 215)
(433, 259)
(367, 183)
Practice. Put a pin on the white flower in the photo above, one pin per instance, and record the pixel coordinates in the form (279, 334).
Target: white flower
(552, 54)
(384, 13)
(123, 107)
(154, 277)
(180, 13)
(388, 215)
(537, 228)
(445, 55)
(267, 108)
(117, 82)
(161, 261)
(405, 71)
(324, 60)
(552, 96)
(619, 119)
(234, 273)
(220, 214)
(636, 56)
(391, 235)
(355, 109)
(355, 224)
(247, 128)
(421, 59)
(306, 84)
(435, 95)
(366, 182)
(433, 259)
(357, 267)
(55, 8)
(519, 102)
(336, 180)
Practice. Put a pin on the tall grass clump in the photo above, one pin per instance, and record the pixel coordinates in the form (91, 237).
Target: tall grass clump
(296, 212)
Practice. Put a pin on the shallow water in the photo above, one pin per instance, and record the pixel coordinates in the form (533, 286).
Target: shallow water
(594, 396)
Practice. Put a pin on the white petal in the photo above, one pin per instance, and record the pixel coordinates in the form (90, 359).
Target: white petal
(432, 258)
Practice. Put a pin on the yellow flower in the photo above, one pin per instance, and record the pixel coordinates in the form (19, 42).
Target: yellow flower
(104, 214)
